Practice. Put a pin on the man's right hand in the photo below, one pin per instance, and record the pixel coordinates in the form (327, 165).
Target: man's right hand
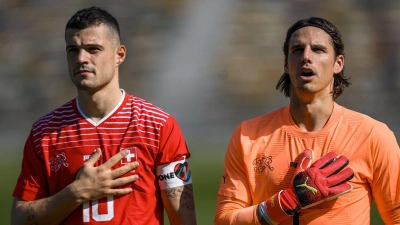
(313, 183)
(93, 183)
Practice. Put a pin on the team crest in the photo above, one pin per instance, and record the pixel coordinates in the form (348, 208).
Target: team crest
(260, 164)
(57, 161)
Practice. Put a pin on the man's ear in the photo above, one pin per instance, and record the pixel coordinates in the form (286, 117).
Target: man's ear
(121, 54)
(339, 64)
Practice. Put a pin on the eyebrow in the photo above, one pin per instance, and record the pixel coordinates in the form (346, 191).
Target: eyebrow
(85, 45)
(312, 45)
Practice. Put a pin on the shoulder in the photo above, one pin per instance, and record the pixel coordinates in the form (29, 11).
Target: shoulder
(142, 104)
(145, 110)
(262, 122)
(365, 127)
(358, 119)
(258, 126)
(56, 120)
(64, 113)
(264, 119)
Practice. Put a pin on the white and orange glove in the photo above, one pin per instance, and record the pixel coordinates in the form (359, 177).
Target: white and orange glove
(312, 184)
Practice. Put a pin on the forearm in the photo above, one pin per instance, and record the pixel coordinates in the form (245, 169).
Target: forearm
(234, 211)
(50, 210)
(179, 205)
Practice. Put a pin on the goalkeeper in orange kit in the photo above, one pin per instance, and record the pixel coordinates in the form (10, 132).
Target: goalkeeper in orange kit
(313, 161)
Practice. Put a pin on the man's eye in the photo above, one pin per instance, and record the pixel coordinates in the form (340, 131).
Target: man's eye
(93, 50)
(297, 50)
(72, 50)
(318, 50)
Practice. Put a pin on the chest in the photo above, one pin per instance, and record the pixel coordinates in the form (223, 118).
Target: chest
(271, 163)
(64, 151)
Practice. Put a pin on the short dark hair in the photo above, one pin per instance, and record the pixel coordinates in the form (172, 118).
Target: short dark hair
(93, 16)
(340, 81)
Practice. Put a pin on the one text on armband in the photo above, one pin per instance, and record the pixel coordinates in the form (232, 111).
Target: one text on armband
(166, 176)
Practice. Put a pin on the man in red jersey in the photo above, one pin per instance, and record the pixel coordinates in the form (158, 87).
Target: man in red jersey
(285, 167)
(106, 157)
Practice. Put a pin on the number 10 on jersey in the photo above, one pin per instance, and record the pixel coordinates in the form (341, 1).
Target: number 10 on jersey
(131, 157)
(95, 210)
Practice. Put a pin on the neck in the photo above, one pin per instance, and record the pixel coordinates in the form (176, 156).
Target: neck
(99, 104)
(311, 115)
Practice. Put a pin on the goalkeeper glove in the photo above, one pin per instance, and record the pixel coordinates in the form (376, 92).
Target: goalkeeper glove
(311, 185)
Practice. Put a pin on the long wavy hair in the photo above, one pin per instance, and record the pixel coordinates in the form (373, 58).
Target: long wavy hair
(340, 80)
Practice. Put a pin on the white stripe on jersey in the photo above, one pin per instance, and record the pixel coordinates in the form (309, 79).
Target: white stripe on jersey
(136, 108)
(94, 146)
(66, 128)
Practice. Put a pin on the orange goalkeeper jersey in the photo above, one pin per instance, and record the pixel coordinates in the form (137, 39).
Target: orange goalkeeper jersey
(261, 158)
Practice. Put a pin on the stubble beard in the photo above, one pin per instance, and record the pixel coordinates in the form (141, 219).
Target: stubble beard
(85, 83)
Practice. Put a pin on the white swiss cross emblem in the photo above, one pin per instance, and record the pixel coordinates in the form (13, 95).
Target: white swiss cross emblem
(131, 157)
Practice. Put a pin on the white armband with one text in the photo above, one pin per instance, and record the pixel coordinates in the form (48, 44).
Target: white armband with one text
(174, 174)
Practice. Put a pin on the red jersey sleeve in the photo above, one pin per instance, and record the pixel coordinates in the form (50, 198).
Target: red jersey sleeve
(172, 143)
(32, 181)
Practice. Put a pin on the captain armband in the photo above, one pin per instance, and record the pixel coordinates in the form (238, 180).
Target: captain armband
(174, 174)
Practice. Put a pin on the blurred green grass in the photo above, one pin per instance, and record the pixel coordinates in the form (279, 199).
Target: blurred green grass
(206, 165)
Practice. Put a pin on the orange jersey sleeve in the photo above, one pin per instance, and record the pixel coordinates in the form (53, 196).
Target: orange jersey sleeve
(235, 183)
(262, 155)
(385, 171)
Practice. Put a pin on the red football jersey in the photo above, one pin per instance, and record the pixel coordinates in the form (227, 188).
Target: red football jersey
(60, 142)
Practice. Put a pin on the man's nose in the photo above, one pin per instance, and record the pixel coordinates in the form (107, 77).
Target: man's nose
(82, 57)
(307, 55)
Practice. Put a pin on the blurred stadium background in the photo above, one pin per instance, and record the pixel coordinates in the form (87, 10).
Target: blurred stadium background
(210, 63)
